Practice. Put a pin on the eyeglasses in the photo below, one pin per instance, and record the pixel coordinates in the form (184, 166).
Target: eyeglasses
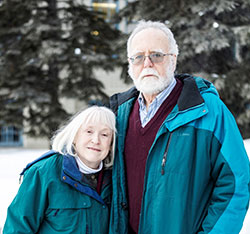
(155, 57)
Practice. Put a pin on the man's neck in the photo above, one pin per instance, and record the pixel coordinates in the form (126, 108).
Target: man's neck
(149, 98)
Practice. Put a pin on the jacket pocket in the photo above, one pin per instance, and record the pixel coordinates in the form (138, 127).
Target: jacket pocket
(64, 216)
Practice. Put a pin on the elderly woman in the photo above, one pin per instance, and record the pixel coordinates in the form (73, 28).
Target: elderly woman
(68, 189)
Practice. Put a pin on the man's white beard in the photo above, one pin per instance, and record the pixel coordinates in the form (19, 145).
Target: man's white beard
(151, 84)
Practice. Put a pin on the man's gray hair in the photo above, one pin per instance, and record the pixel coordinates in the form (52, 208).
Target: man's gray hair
(157, 25)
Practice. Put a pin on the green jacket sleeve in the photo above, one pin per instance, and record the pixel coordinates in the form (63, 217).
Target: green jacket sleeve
(26, 211)
(231, 175)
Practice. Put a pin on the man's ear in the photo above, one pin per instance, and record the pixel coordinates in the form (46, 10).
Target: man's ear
(173, 63)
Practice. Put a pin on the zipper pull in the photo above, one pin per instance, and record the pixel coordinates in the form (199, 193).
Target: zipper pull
(163, 163)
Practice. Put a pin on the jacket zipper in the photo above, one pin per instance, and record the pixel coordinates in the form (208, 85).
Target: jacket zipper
(163, 163)
(87, 229)
(162, 172)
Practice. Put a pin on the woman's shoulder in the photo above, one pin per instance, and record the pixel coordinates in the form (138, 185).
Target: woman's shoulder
(48, 160)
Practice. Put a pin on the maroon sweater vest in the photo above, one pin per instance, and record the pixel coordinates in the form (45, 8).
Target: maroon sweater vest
(137, 144)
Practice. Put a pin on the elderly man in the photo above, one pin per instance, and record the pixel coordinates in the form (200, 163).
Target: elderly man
(180, 164)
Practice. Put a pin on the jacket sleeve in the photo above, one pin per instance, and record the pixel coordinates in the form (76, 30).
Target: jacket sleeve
(230, 173)
(26, 211)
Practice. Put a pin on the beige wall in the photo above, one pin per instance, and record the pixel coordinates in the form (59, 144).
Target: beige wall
(112, 81)
(35, 143)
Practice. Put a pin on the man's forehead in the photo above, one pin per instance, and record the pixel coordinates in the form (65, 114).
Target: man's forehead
(150, 39)
(149, 34)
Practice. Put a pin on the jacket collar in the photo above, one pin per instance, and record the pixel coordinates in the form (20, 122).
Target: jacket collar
(70, 167)
(190, 101)
(190, 105)
(119, 98)
(190, 95)
(72, 176)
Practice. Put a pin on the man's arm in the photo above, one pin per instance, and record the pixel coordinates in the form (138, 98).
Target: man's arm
(231, 175)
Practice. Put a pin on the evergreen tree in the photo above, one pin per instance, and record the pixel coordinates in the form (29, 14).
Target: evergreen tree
(48, 50)
(214, 41)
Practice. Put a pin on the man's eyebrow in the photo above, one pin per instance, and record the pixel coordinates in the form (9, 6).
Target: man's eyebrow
(151, 51)
(157, 50)
(137, 52)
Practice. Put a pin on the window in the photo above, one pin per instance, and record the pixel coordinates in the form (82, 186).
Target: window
(10, 136)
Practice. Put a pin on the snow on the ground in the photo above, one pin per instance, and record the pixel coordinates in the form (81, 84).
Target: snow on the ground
(12, 162)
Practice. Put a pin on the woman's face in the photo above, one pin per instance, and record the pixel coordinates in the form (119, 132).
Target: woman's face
(93, 143)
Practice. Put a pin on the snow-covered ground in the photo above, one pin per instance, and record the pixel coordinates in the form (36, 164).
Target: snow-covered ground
(13, 160)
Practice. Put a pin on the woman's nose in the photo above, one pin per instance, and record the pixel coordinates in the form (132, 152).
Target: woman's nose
(95, 138)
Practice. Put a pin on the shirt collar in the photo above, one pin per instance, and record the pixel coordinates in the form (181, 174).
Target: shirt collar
(159, 98)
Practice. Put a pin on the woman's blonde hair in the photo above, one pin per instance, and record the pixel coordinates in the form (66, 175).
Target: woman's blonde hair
(62, 141)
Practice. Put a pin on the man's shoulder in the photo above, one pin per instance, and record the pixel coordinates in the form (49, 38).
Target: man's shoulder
(119, 98)
(202, 84)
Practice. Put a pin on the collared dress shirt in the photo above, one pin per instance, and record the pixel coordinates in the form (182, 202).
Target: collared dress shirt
(146, 116)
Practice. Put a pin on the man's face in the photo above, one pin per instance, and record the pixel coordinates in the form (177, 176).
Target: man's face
(149, 77)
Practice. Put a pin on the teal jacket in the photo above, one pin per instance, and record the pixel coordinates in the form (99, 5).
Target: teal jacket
(52, 200)
(203, 186)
